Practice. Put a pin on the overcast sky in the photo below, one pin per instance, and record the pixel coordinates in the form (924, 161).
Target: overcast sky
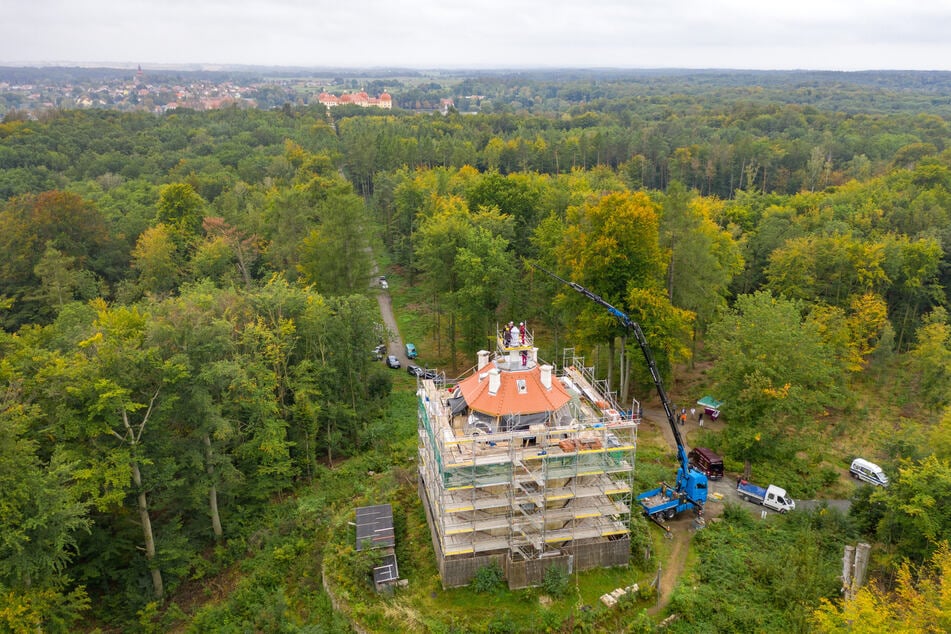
(749, 34)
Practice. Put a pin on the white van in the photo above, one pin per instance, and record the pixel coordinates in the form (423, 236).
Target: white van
(869, 472)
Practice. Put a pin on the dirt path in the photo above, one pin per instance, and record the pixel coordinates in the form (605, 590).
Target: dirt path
(658, 418)
(675, 566)
(679, 529)
(394, 343)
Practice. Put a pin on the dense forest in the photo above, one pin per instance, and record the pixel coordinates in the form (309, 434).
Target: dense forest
(190, 406)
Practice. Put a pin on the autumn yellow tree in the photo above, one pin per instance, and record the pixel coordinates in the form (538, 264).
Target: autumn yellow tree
(156, 258)
(919, 602)
(610, 245)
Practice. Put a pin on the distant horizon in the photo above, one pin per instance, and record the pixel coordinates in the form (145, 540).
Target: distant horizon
(213, 66)
(839, 36)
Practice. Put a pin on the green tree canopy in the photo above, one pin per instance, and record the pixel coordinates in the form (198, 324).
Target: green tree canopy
(610, 246)
(182, 208)
(335, 255)
(59, 220)
(930, 361)
(773, 370)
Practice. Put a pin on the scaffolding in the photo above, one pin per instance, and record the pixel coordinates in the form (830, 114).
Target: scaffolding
(557, 492)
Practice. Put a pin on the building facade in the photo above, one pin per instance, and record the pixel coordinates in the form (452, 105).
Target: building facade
(361, 99)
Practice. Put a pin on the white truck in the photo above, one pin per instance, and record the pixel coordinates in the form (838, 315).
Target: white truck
(772, 497)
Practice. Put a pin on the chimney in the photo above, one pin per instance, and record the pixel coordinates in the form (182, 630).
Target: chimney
(483, 359)
(495, 381)
(546, 376)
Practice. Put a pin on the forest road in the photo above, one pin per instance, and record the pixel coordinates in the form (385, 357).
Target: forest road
(394, 344)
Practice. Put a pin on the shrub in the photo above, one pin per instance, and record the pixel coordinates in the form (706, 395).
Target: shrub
(502, 623)
(489, 578)
(555, 582)
(641, 542)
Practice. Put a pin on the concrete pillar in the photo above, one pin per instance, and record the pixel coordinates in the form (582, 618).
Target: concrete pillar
(862, 551)
(848, 561)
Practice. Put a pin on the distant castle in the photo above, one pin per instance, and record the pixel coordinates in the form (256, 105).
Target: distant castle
(357, 99)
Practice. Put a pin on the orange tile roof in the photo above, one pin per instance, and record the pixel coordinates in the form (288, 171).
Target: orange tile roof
(507, 400)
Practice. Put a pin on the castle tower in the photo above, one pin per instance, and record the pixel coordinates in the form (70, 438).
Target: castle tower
(524, 467)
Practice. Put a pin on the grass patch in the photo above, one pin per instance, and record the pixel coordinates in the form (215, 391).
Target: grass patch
(749, 575)
(423, 605)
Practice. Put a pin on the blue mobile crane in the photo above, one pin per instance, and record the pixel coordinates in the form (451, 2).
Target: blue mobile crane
(690, 490)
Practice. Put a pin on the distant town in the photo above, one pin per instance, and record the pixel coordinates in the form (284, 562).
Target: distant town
(157, 93)
(29, 91)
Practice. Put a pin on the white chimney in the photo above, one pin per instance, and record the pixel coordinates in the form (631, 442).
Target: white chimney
(495, 381)
(483, 359)
(546, 376)
(534, 356)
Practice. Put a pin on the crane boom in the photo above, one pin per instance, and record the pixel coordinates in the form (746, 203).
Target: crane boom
(691, 488)
(634, 327)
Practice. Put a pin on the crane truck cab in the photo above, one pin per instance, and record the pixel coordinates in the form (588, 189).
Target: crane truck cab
(665, 501)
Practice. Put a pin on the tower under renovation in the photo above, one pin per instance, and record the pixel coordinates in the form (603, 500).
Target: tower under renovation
(526, 466)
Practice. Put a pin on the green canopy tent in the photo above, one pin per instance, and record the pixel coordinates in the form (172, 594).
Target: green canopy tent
(711, 406)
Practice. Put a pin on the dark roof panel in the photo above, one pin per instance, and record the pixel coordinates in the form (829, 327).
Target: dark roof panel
(375, 526)
(386, 572)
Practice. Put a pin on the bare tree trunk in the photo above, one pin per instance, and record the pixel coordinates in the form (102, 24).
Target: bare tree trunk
(625, 372)
(212, 491)
(437, 324)
(670, 274)
(452, 340)
(243, 267)
(157, 584)
(693, 346)
(610, 363)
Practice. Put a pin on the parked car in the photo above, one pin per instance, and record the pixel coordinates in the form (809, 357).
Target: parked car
(392, 361)
(423, 373)
(379, 351)
(411, 351)
(870, 472)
